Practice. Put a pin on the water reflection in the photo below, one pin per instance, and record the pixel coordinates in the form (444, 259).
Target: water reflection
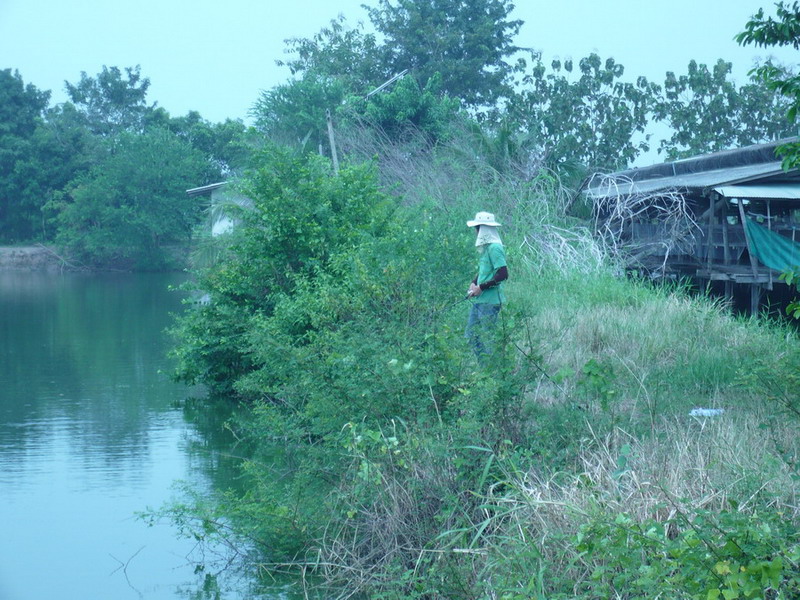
(90, 435)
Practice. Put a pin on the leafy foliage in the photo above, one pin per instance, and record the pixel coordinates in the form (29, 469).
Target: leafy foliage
(350, 55)
(708, 113)
(22, 105)
(300, 219)
(466, 42)
(46, 154)
(784, 30)
(227, 144)
(294, 113)
(710, 556)
(21, 115)
(587, 118)
(129, 208)
(406, 109)
(111, 102)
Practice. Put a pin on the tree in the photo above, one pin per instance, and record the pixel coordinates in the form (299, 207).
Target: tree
(467, 41)
(61, 149)
(300, 219)
(782, 31)
(708, 113)
(326, 68)
(589, 120)
(129, 208)
(111, 102)
(21, 115)
(349, 55)
(294, 113)
(225, 144)
(405, 110)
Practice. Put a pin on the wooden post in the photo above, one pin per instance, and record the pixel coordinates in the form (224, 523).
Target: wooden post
(755, 298)
(753, 263)
(710, 240)
(725, 247)
(726, 252)
(334, 156)
(769, 226)
(755, 288)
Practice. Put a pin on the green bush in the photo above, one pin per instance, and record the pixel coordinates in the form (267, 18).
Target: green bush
(300, 218)
(707, 556)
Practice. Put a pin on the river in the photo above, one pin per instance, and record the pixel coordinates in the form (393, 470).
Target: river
(91, 433)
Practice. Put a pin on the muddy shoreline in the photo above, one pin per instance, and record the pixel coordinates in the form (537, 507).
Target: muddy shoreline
(31, 258)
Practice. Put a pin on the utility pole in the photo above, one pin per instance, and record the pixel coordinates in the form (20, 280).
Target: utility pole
(334, 156)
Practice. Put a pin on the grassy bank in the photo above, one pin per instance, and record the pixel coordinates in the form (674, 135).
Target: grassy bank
(569, 466)
(594, 480)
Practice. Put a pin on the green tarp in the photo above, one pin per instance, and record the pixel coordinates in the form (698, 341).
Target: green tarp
(772, 249)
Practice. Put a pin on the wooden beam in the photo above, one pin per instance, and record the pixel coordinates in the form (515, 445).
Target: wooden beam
(755, 299)
(755, 289)
(712, 208)
(747, 239)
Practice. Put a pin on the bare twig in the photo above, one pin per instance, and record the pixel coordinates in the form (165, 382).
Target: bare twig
(617, 210)
(124, 567)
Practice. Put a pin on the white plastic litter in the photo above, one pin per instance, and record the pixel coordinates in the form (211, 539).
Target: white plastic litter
(706, 412)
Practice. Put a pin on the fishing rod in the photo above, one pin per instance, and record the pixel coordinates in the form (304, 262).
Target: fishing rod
(450, 305)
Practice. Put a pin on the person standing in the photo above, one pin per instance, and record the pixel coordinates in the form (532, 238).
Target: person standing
(486, 290)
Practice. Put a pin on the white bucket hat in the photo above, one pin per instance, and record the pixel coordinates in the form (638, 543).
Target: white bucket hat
(483, 218)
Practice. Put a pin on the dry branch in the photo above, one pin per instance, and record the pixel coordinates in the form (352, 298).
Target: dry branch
(616, 211)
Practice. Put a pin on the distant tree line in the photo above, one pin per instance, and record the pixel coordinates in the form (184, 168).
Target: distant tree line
(104, 174)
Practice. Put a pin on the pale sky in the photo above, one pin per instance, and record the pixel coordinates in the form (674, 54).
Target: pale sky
(216, 56)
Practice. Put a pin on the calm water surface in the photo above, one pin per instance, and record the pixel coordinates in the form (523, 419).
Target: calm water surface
(90, 434)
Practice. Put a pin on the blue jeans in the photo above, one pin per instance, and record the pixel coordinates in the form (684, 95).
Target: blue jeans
(480, 328)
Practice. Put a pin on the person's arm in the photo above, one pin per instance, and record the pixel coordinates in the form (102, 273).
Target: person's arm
(500, 275)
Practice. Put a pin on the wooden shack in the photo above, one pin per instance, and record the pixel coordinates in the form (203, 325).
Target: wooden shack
(731, 217)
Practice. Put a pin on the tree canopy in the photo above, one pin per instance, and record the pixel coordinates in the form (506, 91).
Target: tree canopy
(21, 115)
(587, 115)
(339, 51)
(707, 112)
(460, 89)
(783, 30)
(130, 207)
(105, 173)
(467, 42)
(112, 102)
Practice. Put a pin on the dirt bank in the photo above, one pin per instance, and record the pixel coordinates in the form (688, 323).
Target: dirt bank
(30, 258)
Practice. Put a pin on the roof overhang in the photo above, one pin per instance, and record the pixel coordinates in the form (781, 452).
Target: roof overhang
(776, 191)
(697, 182)
(206, 189)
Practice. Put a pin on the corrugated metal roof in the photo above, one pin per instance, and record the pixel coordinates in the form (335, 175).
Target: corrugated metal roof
(757, 164)
(775, 191)
(684, 182)
(206, 189)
